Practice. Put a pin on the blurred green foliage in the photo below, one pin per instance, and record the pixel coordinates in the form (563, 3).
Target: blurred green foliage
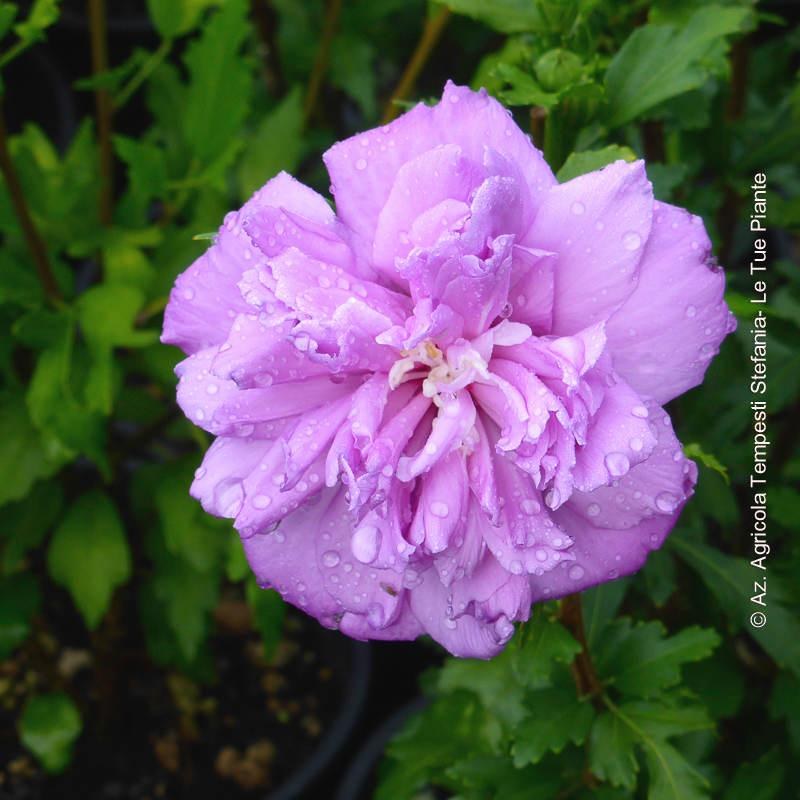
(95, 464)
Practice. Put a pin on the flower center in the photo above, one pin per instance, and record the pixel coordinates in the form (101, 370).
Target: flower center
(439, 371)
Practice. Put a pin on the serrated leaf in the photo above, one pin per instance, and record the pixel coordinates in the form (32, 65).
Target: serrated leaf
(541, 643)
(48, 727)
(589, 160)
(497, 777)
(641, 660)
(89, 554)
(612, 754)
(556, 717)
(220, 82)
(658, 62)
(695, 451)
(276, 145)
(453, 727)
(672, 776)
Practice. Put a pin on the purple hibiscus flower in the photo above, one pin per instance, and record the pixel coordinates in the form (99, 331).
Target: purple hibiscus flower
(442, 403)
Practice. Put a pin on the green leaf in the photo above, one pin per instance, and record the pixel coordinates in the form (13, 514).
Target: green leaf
(220, 83)
(177, 17)
(658, 62)
(731, 581)
(611, 751)
(784, 703)
(539, 644)
(757, 780)
(514, 16)
(8, 11)
(589, 160)
(27, 522)
(187, 597)
(672, 776)
(556, 718)
(25, 456)
(695, 451)
(453, 727)
(89, 555)
(269, 611)
(600, 605)
(42, 15)
(641, 660)
(497, 777)
(18, 282)
(147, 169)
(48, 727)
(276, 145)
(659, 576)
(19, 600)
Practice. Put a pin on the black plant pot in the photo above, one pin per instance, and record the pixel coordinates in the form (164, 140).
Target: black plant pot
(359, 780)
(352, 664)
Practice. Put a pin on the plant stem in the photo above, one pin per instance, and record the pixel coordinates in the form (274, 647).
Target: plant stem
(586, 680)
(332, 12)
(142, 74)
(33, 239)
(431, 33)
(102, 100)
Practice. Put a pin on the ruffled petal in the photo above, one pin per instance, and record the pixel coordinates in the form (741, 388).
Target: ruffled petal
(363, 169)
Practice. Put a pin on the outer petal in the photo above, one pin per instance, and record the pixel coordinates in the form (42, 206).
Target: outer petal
(205, 299)
(466, 636)
(363, 168)
(598, 224)
(659, 487)
(665, 335)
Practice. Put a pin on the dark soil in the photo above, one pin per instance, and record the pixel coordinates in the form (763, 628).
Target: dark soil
(167, 736)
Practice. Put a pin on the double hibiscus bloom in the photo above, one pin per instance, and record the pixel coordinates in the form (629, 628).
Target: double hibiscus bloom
(443, 402)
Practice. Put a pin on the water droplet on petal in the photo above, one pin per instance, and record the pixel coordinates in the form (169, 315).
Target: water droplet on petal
(690, 311)
(576, 572)
(261, 501)
(593, 509)
(439, 509)
(578, 207)
(617, 464)
(530, 507)
(361, 164)
(636, 444)
(639, 411)
(666, 502)
(631, 240)
(365, 543)
(330, 558)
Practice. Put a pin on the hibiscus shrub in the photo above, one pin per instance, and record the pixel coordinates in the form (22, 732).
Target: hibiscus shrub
(457, 270)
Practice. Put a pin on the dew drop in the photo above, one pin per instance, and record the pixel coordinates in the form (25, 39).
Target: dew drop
(617, 464)
(636, 444)
(631, 241)
(330, 558)
(365, 543)
(530, 507)
(361, 164)
(578, 207)
(439, 509)
(639, 411)
(666, 502)
(261, 501)
(690, 311)
(576, 572)
(212, 388)
(593, 509)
